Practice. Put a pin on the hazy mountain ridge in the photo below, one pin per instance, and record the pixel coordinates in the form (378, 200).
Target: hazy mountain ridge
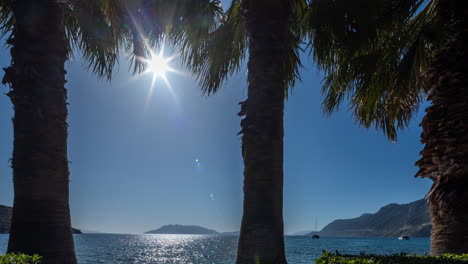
(300, 233)
(231, 233)
(392, 220)
(182, 229)
(5, 220)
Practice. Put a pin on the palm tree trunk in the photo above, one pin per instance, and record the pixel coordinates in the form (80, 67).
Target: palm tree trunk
(41, 215)
(262, 237)
(445, 135)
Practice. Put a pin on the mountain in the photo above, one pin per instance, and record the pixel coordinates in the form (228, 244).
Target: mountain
(232, 233)
(76, 231)
(301, 233)
(392, 220)
(181, 229)
(5, 219)
(87, 231)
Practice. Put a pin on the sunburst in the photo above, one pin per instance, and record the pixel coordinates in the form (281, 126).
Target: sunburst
(158, 66)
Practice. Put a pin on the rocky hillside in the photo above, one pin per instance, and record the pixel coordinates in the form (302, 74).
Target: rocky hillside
(392, 220)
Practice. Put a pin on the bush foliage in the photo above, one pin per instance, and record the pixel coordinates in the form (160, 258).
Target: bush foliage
(19, 259)
(337, 258)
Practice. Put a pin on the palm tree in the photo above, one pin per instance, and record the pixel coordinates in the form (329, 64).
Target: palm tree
(39, 49)
(269, 30)
(384, 57)
(42, 34)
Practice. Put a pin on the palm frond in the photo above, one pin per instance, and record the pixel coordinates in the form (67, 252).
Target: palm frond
(295, 45)
(148, 23)
(100, 29)
(220, 53)
(294, 48)
(6, 19)
(378, 67)
(351, 24)
(89, 31)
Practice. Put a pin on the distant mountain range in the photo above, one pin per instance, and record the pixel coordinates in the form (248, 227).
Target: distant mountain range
(87, 231)
(300, 233)
(392, 220)
(181, 229)
(233, 233)
(5, 219)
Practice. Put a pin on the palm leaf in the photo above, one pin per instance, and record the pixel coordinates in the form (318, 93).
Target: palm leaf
(224, 50)
(221, 53)
(89, 31)
(6, 18)
(375, 61)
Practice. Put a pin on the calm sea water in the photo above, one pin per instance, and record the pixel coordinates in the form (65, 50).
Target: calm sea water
(200, 249)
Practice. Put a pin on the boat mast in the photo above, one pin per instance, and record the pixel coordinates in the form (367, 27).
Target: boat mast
(315, 224)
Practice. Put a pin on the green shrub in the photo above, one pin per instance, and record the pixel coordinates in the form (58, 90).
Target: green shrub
(337, 258)
(19, 259)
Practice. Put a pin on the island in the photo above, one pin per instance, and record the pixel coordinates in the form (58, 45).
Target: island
(183, 229)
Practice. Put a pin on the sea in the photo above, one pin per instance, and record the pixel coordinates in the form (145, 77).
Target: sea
(219, 249)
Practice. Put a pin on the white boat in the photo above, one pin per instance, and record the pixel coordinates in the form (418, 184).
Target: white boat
(403, 238)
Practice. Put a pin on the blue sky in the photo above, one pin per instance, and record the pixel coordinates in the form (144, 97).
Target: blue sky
(134, 162)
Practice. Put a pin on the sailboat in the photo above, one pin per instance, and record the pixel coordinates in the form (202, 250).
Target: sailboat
(404, 237)
(315, 236)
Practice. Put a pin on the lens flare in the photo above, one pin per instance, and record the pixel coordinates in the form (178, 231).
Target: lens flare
(158, 66)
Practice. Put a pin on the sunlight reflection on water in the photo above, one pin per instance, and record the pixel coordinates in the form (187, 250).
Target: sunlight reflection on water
(165, 249)
(217, 249)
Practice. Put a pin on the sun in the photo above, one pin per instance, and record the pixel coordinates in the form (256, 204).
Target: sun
(158, 66)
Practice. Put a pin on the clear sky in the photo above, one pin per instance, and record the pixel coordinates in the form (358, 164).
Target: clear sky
(134, 161)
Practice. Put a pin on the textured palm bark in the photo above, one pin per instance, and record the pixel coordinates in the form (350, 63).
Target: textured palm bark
(41, 215)
(261, 236)
(445, 135)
